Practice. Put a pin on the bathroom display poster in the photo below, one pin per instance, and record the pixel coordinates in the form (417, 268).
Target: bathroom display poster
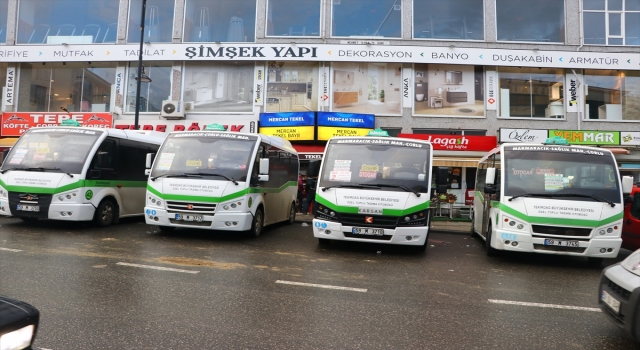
(446, 90)
(370, 88)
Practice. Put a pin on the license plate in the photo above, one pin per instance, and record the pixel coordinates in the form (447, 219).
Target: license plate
(28, 207)
(197, 218)
(558, 243)
(610, 301)
(367, 231)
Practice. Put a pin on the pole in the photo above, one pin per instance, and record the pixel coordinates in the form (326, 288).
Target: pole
(138, 83)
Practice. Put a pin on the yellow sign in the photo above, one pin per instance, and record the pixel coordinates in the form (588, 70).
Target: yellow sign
(291, 133)
(327, 132)
(196, 162)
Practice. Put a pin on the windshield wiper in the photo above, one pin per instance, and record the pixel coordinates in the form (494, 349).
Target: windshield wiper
(395, 186)
(37, 169)
(347, 186)
(211, 174)
(5, 170)
(598, 198)
(175, 175)
(548, 195)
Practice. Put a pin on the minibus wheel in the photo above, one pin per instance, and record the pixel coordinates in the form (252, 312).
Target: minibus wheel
(105, 213)
(292, 214)
(256, 223)
(490, 250)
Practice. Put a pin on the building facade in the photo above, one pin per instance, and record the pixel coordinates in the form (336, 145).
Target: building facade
(503, 68)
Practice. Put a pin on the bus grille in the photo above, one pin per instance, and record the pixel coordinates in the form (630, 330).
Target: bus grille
(562, 231)
(41, 200)
(359, 220)
(186, 207)
(559, 249)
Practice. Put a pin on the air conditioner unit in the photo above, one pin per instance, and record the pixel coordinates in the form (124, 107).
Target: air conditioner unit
(172, 110)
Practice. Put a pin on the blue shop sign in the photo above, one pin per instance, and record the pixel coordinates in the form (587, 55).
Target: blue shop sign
(288, 119)
(346, 120)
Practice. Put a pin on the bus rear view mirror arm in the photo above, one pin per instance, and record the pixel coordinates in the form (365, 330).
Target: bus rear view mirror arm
(489, 189)
(263, 178)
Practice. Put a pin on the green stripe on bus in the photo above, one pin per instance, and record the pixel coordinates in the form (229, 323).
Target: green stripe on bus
(354, 210)
(559, 221)
(207, 199)
(71, 186)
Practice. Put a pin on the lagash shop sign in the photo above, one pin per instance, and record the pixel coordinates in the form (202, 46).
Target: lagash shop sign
(456, 142)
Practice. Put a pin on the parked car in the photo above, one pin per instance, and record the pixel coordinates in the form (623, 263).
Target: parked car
(18, 324)
(620, 294)
(631, 224)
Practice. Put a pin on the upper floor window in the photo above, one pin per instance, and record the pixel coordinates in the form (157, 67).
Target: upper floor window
(220, 21)
(448, 19)
(158, 22)
(372, 18)
(305, 22)
(611, 94)
(525, 20)
(611, 22)
(4, 5)
(67, 21)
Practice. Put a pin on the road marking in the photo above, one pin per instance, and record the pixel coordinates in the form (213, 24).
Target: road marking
(11, 250)
(157, 268)
(361, 290)
(551, 306)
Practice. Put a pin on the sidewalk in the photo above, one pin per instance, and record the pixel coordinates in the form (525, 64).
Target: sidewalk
(439, 226)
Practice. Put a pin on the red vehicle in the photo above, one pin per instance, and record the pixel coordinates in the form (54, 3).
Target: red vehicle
(631, 225)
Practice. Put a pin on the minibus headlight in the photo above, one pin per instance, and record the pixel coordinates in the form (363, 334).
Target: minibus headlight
(3, 193)
(153, 200)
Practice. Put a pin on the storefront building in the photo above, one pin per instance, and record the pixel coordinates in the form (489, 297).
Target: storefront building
(471, 70)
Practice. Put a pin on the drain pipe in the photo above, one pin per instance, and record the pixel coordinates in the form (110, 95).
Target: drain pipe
(580, 13)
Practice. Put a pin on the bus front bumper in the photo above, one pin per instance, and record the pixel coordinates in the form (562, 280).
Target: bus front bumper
(415, 236)
(219, 221)
(57, 211)
(600, 247)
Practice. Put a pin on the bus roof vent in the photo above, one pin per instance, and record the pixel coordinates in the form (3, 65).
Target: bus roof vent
(378, 132)
(556, 141)
(215, 127)
(69, 122)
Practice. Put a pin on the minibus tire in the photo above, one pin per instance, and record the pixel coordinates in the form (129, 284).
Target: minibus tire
(257, 224)
(292, 214)
(490, 250)
(105, 213)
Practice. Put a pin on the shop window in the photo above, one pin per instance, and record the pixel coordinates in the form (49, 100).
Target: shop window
(67, 21)
(305, 22)
(612, 95)
(219, 87)
(151, 94)
(448, 90)
(292, 86)
(4, 9)
(158, 22)
(525, 20)
(74, 87)
(371, 18)
(220, 21)
(448, 19)
(531, 92)
(611, 22)
(370, 88)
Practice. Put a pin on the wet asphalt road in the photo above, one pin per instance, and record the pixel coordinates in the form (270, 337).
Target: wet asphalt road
(74, 274)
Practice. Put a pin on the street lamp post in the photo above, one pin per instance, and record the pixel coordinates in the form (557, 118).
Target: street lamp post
(140, 77)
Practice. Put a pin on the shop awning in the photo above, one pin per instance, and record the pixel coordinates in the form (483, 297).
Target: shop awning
(309, 152)
(456, 162)
(8, 141)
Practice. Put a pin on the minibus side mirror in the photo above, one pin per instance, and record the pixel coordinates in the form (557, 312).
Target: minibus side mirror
(314, 168)
(627, 184)
(491, 176)
(149, 160)
(263, 178)
(103, 161)
(264, 166)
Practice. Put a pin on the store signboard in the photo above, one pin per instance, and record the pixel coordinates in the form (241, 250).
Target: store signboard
(491, 97)
(572, 92)
(630, 138)
(292, 126)
(258, 85)
(523, 135)
(407, 87)
(10, 83)
(588, 137)
(457, 142)
(321, 52)
(233, 124)
(16, 123)
(332, 124)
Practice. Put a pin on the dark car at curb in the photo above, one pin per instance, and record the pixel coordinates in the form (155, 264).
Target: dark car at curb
(18, 324)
